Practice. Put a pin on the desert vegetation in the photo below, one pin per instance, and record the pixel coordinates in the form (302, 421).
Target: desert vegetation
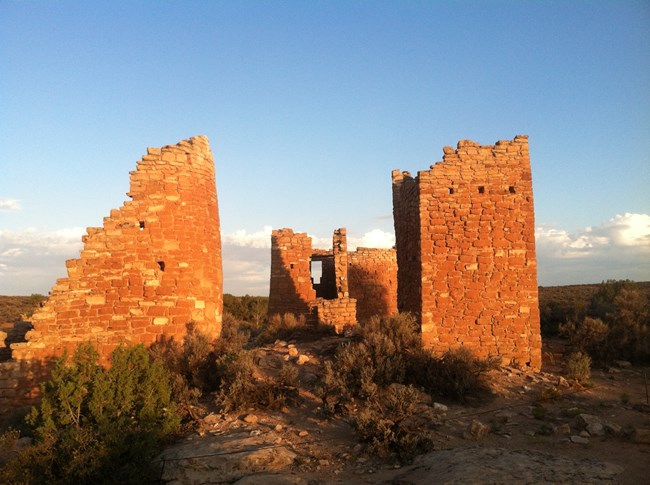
(98, 425)
(13, 307)
(606, 322)
(95, 425)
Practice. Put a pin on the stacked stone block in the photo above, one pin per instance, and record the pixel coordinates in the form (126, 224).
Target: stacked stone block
(353, 285)
(339, 312)
(372, 281)
(152, 269)
(466, 251)
(291, 289)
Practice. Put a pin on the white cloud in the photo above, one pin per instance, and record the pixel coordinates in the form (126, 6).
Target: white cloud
(32, 259)
(246, 270)
(241, 238)
(9, 205)
(372, 239)
(617, 249)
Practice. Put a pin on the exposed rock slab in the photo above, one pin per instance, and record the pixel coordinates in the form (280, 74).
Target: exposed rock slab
(218, 460)
(497, 465)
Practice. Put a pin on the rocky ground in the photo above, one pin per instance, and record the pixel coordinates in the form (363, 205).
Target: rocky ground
(535, 428)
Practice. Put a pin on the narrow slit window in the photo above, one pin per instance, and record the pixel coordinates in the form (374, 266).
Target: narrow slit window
(141, 225)
(161, 265)
(481, 189)
(511, 189)
(451, 190)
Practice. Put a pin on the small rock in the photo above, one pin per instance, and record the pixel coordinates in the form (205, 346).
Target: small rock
(211, 419)
(623, 364)
(507, 415)
(562, 382)
(595, 429)
(323, 462)
(612, 428)
(476, 431)
(302, 434)
(440, 408)
(530, 434)
(585, 420)
(562, 429)
(249, 418)
(585, 434)
(302, 359)
(579, 440)
(23, 442)
(641, 435)
(278, 427)
(293, 351)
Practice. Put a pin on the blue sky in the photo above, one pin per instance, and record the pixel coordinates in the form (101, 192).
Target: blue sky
(309, 105)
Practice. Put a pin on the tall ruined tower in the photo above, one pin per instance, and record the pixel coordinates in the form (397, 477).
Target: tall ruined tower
(152, 269)
(465, 233)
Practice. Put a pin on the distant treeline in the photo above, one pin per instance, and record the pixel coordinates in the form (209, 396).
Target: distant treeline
(572, 303)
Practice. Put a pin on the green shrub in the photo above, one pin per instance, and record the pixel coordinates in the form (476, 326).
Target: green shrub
(249, 309)
(578, 366)
(96, 425)
(617, 325)
(458, 374)
(281, 327)
(389, 351)
(384, 423)
(588, 336)
(191, 366)
(241, 389)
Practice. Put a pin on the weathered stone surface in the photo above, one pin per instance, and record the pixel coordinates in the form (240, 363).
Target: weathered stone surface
(496, 465)
(353, 286)
(465, 238)
(213, 461)
(581, 440)
(249, 418)
(476, 431)
(583, 420)
(641, 435)
(271, 479)
(302, 359)
(595, 429)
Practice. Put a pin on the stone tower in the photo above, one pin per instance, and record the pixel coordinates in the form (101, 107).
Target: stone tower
(153, 269)
(465, 233)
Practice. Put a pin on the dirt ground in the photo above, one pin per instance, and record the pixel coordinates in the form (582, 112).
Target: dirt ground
(534, 428)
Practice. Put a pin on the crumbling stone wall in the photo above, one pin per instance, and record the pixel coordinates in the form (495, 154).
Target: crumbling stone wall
(466, 251)
(353, 285)
(154, 267)
(372, 281)
(291, 289)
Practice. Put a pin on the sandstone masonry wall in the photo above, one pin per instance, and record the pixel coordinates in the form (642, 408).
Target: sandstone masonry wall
(466, 251)
(291, 289)
(372, 281)
(357, 284)
(154, 267)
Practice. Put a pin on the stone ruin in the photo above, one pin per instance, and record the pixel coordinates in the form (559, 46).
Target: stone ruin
(353, 286)
(466, 251)
(464, 265)
(152, 269)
